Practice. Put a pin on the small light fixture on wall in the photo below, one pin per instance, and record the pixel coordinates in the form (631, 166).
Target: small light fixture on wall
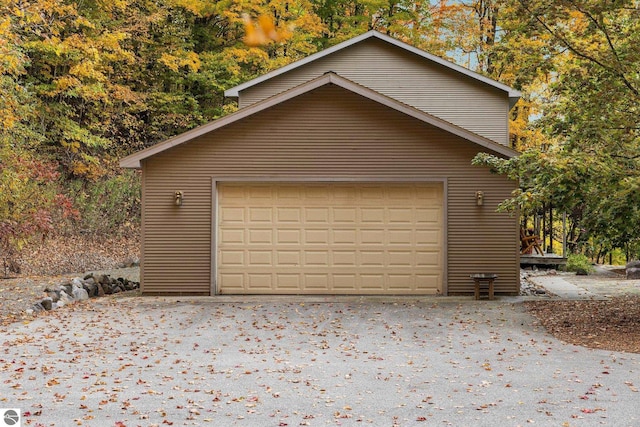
(479, 198)
(178, 198)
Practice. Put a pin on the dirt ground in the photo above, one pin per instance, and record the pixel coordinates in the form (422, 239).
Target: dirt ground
(611, 324)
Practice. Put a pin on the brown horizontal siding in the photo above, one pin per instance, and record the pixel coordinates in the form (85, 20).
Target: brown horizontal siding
(407, 78)
(327, 134)
(177, 240)
(479, 237)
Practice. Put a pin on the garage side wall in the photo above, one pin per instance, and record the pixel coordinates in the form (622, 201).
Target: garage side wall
(328, 134)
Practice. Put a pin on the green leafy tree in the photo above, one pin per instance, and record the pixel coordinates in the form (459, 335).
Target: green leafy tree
(588, 165)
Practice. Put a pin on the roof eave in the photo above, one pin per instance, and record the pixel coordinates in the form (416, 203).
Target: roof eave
(134, 161)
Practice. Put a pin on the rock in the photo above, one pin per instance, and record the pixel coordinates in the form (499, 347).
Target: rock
(80, 294)
(633, 270)
(106, 289)
(65, 298)
(67, 287)
(116, 289)
(90, 281)
(46, 303)
(37, 307)
(87, 276)
(104, 279)
(101, 292)
(77, 283)
(54, 295)
(92, 289)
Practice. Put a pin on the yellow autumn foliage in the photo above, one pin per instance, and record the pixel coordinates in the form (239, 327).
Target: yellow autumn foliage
(175, 61)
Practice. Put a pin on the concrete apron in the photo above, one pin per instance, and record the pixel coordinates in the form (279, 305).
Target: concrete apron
(564, 289)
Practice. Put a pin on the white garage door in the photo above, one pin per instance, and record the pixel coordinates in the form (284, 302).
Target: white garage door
(329, 238)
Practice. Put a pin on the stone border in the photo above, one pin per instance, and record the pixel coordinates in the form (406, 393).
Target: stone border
(91, 286)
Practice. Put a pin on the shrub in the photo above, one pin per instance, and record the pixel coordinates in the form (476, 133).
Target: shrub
(579, 264)
(107, 206)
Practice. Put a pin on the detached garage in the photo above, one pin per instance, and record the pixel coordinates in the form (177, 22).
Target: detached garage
(326, 183)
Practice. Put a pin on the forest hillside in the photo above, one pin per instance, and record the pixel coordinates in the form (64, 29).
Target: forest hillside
(85, 83)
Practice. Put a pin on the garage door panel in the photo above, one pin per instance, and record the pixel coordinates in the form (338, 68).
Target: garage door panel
(316, 236)
(400, 258)
(372, 258)
(316, 258)
(286, 192)
(232, 215)
(231, 236)
(344, 237)
(401, 215)
(372, 283)
(373, 237)
(316, 215)
(400, 237)
(258, 236)
(288, 258)
(345, 282)
(289, 236)
(329, 238)
(259, 281)
(396, 281)
(232, 258)
(233, 282)
(344, 258)
(428, 259)
(288, 281)
(260, 215)
(428, 237)
(429, 216)
(289, 214)
(372, 215)
(260, 258)
(316, 281)
(372, 193)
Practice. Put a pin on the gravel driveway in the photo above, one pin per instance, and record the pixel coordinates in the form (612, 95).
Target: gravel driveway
(283, 362)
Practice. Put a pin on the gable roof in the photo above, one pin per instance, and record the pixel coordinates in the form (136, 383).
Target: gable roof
(513, 94)
(133, 161)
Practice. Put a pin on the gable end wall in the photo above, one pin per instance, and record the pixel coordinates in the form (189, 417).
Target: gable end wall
(407, 78)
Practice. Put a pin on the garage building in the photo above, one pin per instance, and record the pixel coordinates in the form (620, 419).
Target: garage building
(348, 172)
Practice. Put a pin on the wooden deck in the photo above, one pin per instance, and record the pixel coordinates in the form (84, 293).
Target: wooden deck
(549, 260)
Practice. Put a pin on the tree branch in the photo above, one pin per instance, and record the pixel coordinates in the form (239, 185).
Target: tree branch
(575, 50)
(600, 25)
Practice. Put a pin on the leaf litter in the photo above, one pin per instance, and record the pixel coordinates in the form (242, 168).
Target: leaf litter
(153, 362)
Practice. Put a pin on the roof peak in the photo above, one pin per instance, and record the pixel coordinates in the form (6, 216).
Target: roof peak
(513, 94)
